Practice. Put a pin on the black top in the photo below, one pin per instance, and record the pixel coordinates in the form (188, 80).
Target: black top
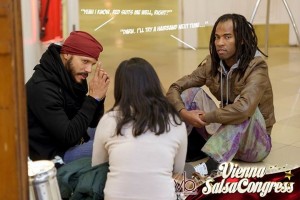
(59, 112)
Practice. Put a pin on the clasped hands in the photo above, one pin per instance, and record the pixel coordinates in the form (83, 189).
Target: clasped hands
(196, 118)
(98, 85)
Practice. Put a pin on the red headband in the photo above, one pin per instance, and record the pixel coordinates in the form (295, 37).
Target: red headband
(82, 44)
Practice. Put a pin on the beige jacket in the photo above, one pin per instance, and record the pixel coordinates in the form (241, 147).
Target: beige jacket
(254, 89)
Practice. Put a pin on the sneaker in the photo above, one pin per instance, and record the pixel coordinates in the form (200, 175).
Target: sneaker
(201, 169)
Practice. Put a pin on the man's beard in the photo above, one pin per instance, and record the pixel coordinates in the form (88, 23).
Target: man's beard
(71, 71)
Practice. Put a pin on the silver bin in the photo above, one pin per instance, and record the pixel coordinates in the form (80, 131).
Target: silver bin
(42, 181)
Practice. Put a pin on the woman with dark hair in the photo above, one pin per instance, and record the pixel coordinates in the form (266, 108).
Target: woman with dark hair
(142, 137)
(237, 76)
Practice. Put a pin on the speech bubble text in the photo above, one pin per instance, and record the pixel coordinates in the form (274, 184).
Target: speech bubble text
(150, 29)
(90, 11)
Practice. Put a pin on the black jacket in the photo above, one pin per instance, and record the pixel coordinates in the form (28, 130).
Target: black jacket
(59, 111)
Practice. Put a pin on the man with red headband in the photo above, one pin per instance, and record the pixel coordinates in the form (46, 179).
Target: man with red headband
(59, 109)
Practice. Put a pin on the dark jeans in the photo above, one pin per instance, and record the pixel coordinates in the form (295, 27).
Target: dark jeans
(81, 151)
(195, 144)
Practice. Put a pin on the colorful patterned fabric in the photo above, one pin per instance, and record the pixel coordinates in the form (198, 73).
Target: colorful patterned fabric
(248, 141)
(197, 99)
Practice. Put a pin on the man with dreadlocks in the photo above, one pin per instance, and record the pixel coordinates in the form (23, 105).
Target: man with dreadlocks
(237, 75)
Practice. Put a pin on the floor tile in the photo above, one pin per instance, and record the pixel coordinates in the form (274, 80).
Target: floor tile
(285, 134)
(288, 155)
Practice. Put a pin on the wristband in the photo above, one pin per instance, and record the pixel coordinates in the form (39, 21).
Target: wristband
(99, 99)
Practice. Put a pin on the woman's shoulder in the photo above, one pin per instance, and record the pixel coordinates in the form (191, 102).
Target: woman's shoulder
(110, 115)
(107, 124)
(179, 128)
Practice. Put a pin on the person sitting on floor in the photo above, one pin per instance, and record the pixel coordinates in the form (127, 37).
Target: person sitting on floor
(59, 110)
(142, 137)
(237, 75)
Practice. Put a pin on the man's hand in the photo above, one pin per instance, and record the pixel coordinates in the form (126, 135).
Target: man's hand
(193, 117)
(99, 83)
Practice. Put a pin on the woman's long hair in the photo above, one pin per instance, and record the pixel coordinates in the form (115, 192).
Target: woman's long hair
(245, 42)
(139, 98)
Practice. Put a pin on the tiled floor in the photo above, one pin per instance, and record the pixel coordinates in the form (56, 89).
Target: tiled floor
(171, 63)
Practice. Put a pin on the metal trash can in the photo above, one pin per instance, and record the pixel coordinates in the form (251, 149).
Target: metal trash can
(42, 181)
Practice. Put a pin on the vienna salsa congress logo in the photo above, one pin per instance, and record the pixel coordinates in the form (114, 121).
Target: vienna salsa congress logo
(233, 179)
(244, 184)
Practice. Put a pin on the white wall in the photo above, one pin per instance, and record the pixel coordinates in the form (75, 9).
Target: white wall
(70, 17)
(209, 10)
(32, 47)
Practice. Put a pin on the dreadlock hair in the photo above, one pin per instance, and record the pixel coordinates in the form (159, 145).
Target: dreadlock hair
(245, 42)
